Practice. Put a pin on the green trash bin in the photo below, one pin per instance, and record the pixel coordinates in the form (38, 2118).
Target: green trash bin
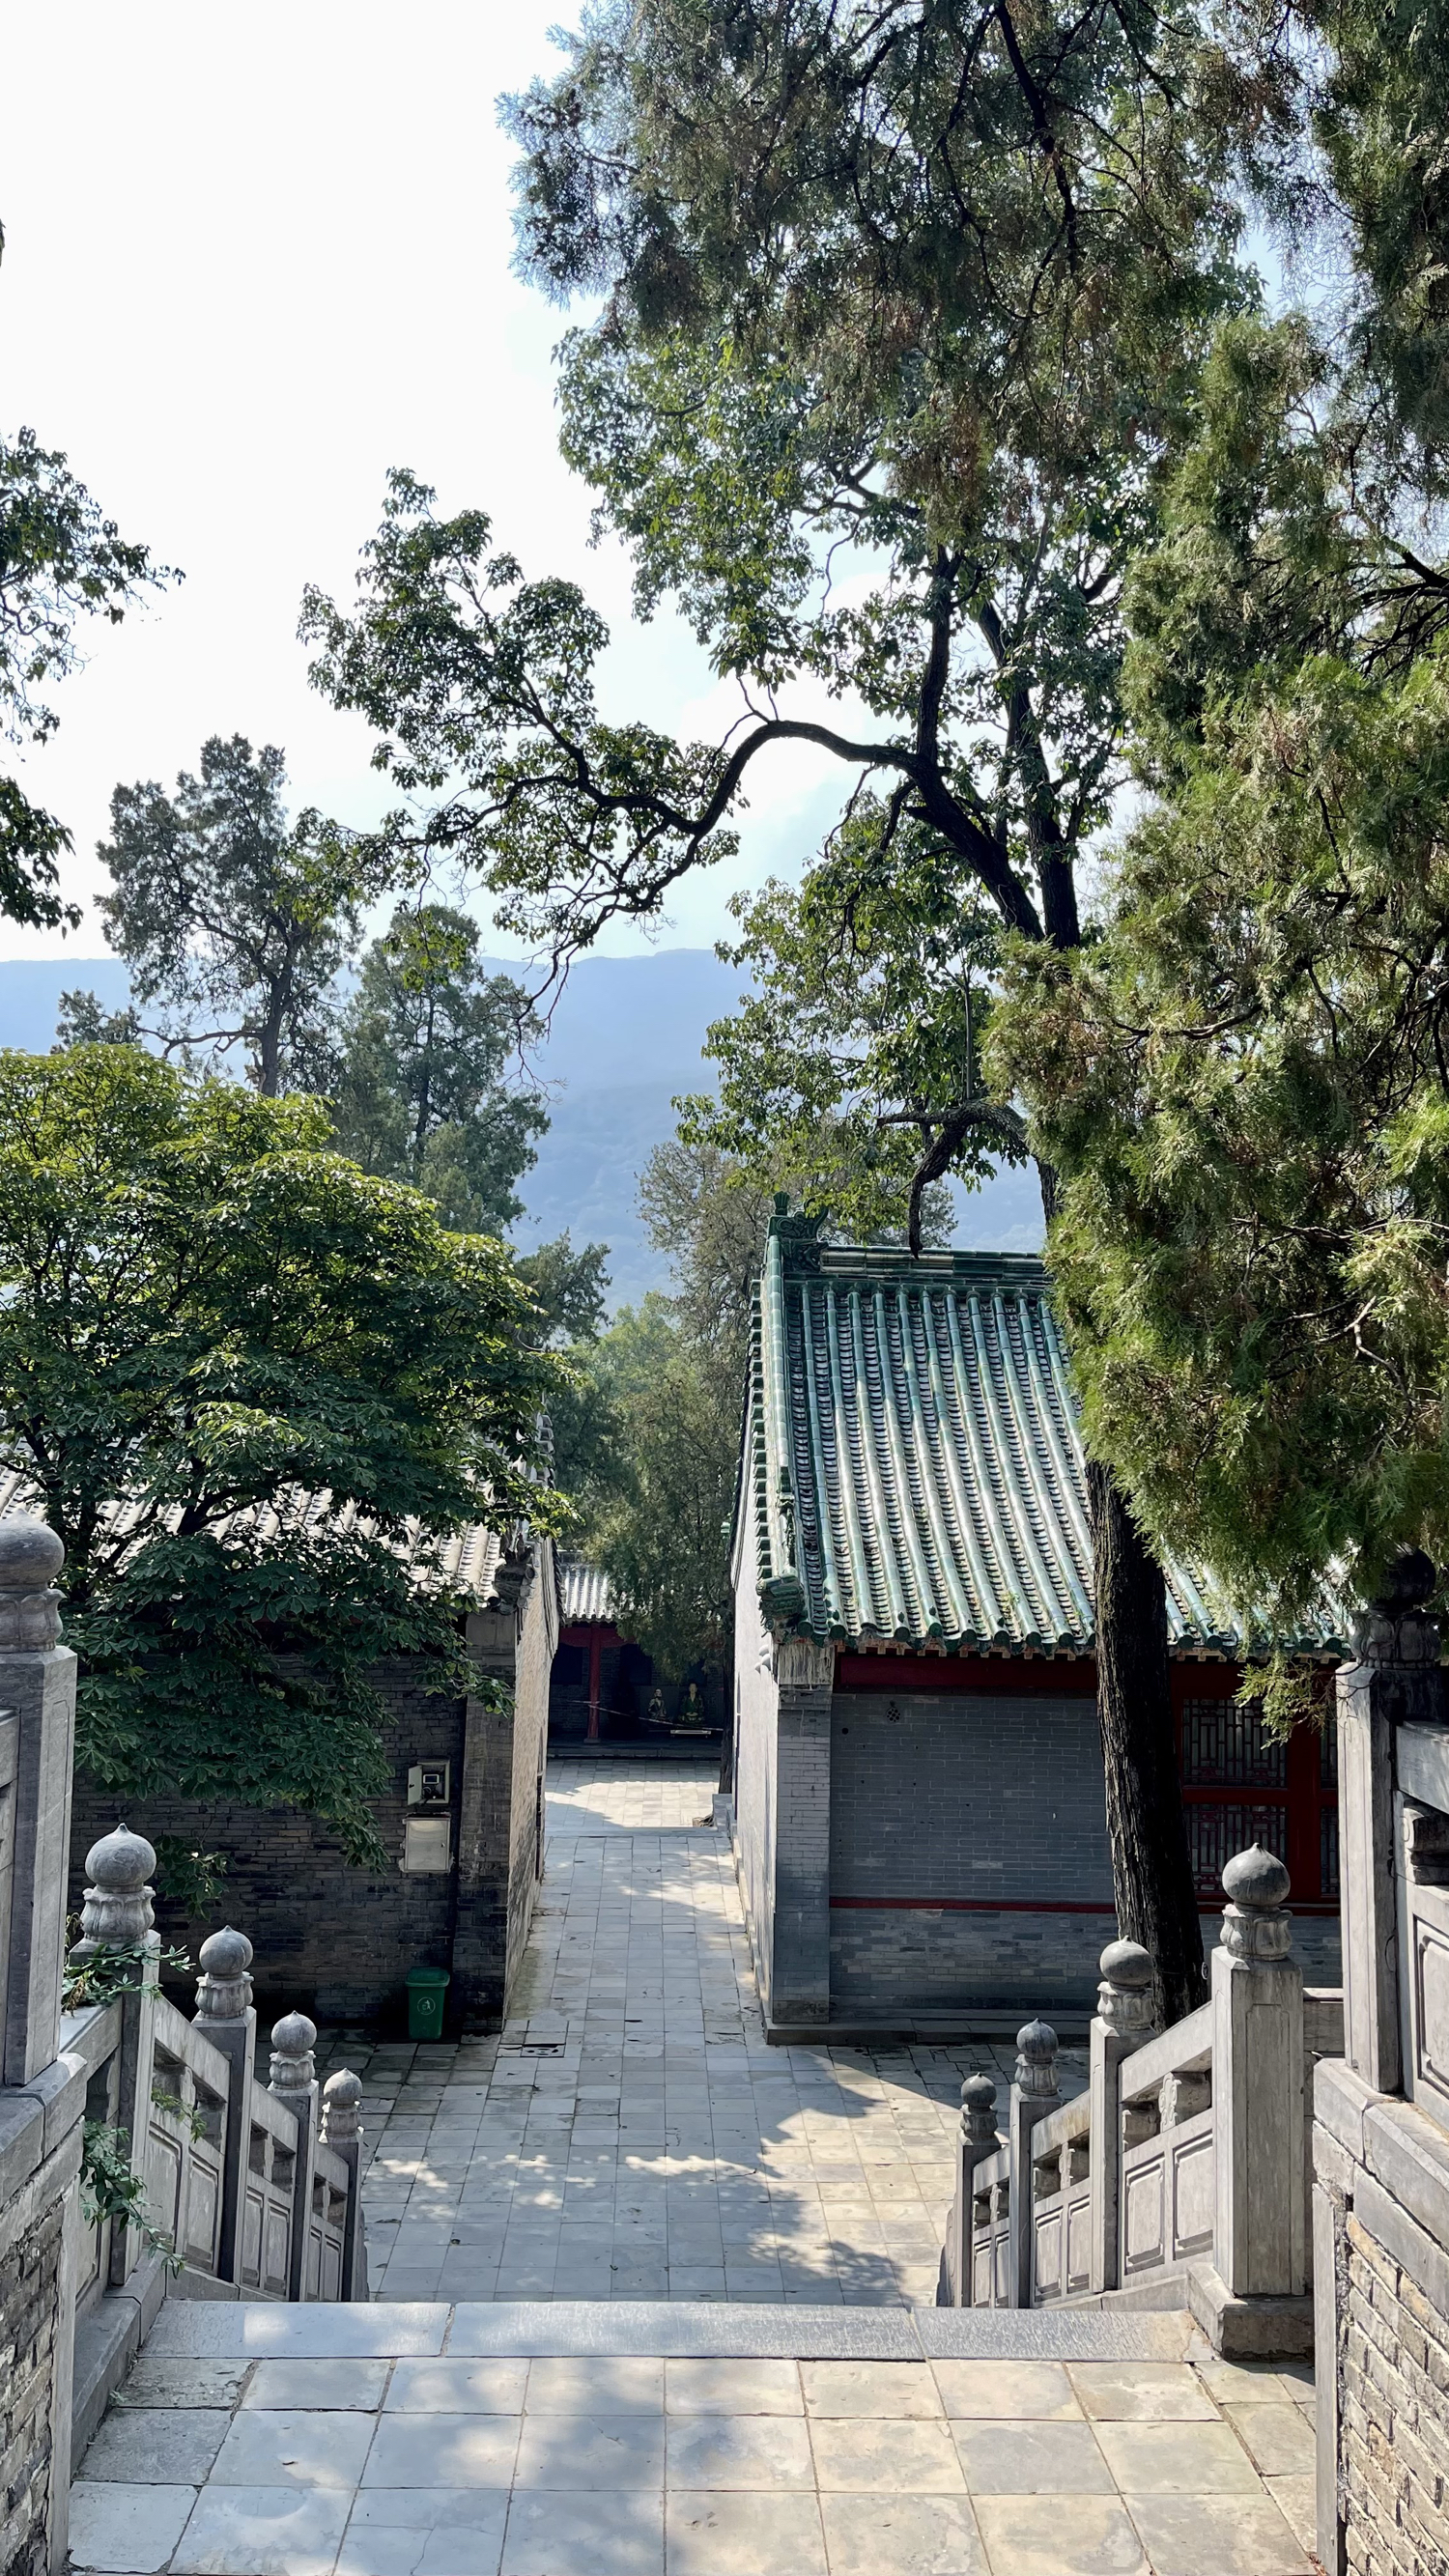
(427, 1993)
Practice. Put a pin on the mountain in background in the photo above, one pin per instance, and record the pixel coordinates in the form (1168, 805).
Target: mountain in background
(624, 1038)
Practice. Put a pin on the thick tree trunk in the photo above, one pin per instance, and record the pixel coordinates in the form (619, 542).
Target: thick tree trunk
(1151, 1870)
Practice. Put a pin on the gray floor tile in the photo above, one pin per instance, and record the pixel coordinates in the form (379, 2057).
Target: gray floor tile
(263, 2531)
(902, 2535)
(156, 2445)
(292, 2447)
(425, 2531)
(125, 2530)
(1015, 2457)
(1057, 2535)
(596, 2451)
(344, 2385)
(460, 2450)
(458, 2387)
(744, 2533)
(1216, 2535)
(556, 2533)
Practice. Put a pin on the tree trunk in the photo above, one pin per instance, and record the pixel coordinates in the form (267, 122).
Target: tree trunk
(1151, 1870)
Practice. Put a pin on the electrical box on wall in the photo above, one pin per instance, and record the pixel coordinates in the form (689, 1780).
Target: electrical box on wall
(427, 1845)
(430, 1784)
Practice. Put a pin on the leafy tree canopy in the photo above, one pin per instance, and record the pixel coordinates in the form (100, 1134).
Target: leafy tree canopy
(1245, 1084)
(204, 1313)
(854, 1064)
(233, 922)
(664, 1425)
(421, 1090)
(568, 1288)
(60, 560)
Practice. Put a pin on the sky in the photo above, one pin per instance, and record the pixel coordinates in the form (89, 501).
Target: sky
(253, 258)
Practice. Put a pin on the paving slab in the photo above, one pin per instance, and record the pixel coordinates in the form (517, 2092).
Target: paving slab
(636, 2057)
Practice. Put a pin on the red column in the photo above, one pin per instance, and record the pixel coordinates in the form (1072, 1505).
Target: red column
(595, 1651)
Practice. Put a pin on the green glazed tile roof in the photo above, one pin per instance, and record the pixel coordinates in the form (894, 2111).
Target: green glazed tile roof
(912, 1457)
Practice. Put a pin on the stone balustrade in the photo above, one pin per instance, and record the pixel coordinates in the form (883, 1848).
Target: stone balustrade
(1180, 2170)
(137, 2145)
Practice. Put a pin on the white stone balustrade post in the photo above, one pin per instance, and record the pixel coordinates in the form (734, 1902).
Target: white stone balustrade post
(294, 2082)
(37, 1740)
(225, 2012)
(118, 1913)
(1034, 2096)
(342, 2132)
(1257, 2000)
(1396, 1676)
(1123, 2020)
(976, 2139)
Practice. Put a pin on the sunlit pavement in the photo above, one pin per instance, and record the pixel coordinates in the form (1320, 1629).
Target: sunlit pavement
(630, 2135)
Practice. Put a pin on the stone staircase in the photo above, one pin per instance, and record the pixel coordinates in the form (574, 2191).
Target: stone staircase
(681, 2438)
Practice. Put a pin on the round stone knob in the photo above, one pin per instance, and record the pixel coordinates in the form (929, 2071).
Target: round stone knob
(293, 2039)
(978, 2109)
(224, 1987)
(226, 1953)
(121, 1862)
(116, 1910)
(1127, 1964)
(341, 2095)
(1036, 2057)
(1256, 1879)
(31, 1555)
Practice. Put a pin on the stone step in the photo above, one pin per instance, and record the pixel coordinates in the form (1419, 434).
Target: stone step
(669, 2329)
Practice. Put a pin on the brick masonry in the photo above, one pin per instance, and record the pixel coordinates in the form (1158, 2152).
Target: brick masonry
(1393, 2396)
(32, 2306)
(337, 1941)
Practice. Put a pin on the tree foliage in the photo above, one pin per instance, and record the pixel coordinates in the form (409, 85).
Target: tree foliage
(61, 560)
(853, 1066)
(1245, 1084)
(233, 922)
(205, 1316)
(422, 1092)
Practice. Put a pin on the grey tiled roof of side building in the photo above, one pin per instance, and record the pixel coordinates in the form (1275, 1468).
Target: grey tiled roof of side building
(586, 1596)
(913, 1459)
(466, 1561)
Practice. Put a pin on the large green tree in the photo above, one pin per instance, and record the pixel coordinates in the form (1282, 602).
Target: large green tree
(854, 1064)
(207, 1317)
(234, 921)
(902, 309)
(1245, 1084)
(61, 561)
(423, 1089)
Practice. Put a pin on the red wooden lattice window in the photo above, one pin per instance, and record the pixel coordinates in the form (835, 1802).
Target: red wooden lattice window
(1239, 1787)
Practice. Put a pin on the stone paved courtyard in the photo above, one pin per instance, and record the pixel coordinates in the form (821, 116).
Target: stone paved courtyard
(630, 2135)
(398, 2441)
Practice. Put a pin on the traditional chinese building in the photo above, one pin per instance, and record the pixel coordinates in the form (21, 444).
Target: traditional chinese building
(919, 1799)
(461, 1819)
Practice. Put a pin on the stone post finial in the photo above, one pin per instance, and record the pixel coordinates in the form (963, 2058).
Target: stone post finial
(1396, 1628)
(978, 2111)
(293, 2066)
(1256, 1923)
(1124, 1997)
(341, 2095)
(31, 1556)
(1036, 2060)
(224, 1987)
(117, 1907)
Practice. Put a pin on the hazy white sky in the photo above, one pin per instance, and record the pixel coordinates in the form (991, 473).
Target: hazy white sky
(253, 258)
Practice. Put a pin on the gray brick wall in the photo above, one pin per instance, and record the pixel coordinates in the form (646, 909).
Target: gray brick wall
(337, 1941)
(976, 1796)
(31, 2291)
(757, 1704)
(330, 1939)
